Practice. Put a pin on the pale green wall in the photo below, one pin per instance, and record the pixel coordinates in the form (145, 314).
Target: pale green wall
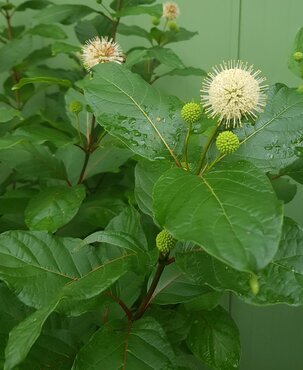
(261, 32)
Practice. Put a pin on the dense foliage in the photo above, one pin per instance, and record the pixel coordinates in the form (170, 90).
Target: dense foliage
(122, 224)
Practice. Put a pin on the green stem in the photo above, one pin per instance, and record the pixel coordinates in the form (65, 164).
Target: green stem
(15, 75)
(78, 129)
(163, 261)
(186, 146)
(88, 150)
(117, 21)
(207, 145)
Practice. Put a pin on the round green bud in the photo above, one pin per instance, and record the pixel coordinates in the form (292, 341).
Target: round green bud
(191, 112)
(155, 21)
(165, 242)
(173, 26)
(75, 107)
(254, 285)
(227, 142)
(298, 56)
(300, 89)
(98, 1)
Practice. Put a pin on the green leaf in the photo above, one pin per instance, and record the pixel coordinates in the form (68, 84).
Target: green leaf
(24, 335)
(214, 338)
(146, 175)
(294, 170)
(98, 26)
(231, 212)
(7, 112)
(45, 80)
(48, 31)
(125, 29)
(187, 71)
(271, 142)
(14, 52)
(166, 56)
(39, 134)
(174, 287)
(141, 345)
(32, 4)
(297, 66)
(63, 13)
(64, 48)
(154, 10)
(129, 221)
(176, 36)
(129, 3)
(284, 189)
(40, 268)
(15, 201)
(53, 207)
(280, 282)
(30, 159)
(11, 312)
(150, 124)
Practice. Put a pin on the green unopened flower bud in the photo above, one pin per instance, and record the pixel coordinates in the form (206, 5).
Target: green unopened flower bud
(298, 56)
(173, 26)
(254, 285)
(191, 112)
(98, 1)
(75, 107)
(227, 142)
(300, 89)
(155, 21)
(165, 242)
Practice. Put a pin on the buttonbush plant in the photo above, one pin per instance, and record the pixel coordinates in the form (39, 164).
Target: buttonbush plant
(127, 214)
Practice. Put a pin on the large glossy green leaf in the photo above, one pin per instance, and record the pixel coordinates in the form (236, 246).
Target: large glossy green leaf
(231, 212)
(146, 175)
(141, 345)
(40, 267)
(53, 207)
(272, 141)
(147, 121)
(214, 338)
(24, 335)
(280, 282)
(63, 13)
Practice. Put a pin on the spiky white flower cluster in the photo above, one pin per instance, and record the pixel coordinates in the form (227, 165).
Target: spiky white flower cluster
(170, 11)
(232, 91)
(101, 50)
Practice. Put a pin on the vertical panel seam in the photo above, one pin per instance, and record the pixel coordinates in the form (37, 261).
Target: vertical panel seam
(239, 30)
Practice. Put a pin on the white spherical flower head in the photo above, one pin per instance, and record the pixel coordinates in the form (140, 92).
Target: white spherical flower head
(232, 91)
(170, 11)
(101, 50)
